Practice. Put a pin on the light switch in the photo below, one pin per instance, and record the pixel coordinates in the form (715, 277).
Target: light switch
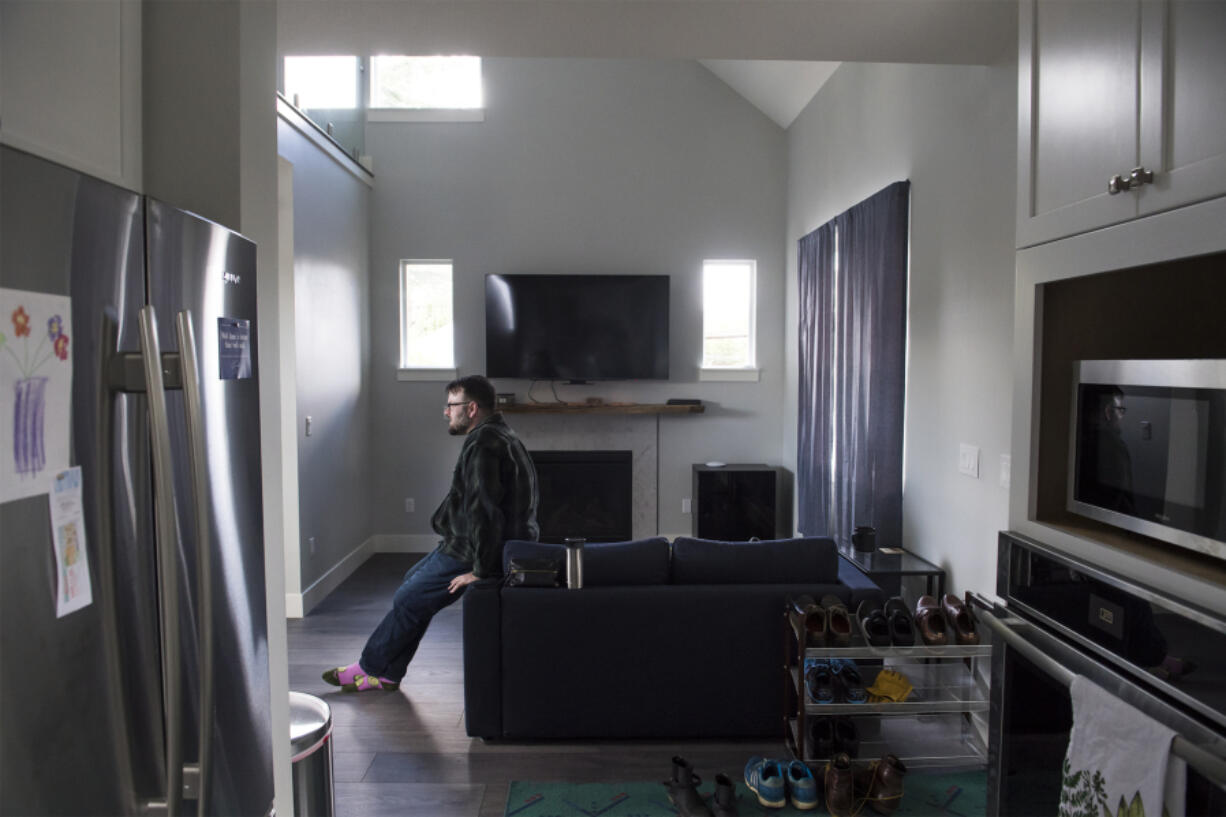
(968, 460)
(308, 425)
(1006, 466)
(685, 506)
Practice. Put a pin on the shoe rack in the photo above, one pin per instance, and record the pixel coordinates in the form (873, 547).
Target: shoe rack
(932, 728)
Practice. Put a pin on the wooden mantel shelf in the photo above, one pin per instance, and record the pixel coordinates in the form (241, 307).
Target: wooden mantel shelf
(599, 408)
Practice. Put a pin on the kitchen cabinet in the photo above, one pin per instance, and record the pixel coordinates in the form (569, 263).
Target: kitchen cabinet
(70, 85)
(1109, 86)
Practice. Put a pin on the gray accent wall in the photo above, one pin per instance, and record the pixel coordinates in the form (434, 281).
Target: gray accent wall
(581, 166)
(332, 353)
(951, 130)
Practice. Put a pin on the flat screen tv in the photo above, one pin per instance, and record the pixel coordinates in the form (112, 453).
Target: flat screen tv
(576, 327)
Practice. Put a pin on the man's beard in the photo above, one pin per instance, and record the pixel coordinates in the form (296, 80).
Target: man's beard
(459, 430)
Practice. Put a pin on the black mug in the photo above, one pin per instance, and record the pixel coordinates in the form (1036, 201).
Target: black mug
(864, 538)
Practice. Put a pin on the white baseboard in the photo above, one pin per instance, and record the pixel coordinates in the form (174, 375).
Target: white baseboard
(298, 605)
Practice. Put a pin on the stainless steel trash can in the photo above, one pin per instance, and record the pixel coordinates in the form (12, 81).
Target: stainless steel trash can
(310, 735)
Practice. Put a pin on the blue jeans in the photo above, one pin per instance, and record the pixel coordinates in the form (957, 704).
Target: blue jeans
(423, 593)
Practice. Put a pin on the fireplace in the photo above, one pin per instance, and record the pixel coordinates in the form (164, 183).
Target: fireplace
(586, 494)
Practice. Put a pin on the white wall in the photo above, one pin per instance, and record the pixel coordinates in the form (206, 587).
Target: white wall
(331, 217)
(612, 166)
(951, 131)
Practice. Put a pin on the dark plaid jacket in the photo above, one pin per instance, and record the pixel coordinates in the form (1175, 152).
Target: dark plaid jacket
(493, 498)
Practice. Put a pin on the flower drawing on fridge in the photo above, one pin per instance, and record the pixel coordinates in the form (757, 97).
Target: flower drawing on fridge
(33, 355)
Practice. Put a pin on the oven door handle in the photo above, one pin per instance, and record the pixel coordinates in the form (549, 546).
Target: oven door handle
(1009, 629)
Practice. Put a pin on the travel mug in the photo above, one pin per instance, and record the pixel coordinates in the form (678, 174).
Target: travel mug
(574, 563)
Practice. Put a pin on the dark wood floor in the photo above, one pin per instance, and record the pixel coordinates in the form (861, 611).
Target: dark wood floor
(405, 754)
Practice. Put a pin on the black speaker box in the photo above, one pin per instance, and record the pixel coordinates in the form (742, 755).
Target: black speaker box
(736, 503)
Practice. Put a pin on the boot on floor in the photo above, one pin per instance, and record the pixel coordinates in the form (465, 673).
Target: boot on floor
(683, 790)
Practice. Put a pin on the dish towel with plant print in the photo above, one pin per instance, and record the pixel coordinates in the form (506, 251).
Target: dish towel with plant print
(1119, 761)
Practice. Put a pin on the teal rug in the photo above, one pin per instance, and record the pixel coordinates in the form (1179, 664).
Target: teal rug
(958, 795)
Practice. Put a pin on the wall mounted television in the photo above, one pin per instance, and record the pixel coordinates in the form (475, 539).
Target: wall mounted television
(576, 327)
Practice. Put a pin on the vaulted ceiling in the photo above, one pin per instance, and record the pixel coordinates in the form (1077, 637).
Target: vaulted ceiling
(776, 53)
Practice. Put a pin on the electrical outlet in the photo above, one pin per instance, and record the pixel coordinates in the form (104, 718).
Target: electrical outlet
(410, 505)
(685, 505)
(311, 543)
(1006, 465)
(968, 460)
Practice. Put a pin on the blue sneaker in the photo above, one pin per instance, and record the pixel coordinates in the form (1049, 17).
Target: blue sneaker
(764, 777)
(819, 685)
(802, 786)
(846, 681)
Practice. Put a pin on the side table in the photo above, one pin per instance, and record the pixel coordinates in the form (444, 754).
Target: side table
(887, 567)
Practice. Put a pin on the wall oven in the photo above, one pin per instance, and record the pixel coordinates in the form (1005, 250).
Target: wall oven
(1056, 617)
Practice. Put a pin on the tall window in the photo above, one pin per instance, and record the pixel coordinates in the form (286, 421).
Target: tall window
(322, 82)
(425, 82)
(728, 307)
(427, 337)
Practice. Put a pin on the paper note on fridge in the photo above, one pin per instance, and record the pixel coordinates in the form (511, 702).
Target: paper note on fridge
(234, 348)
(72, 588)
(35, 390)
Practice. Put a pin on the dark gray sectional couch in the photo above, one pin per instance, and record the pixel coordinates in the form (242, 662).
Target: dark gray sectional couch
(663, 641)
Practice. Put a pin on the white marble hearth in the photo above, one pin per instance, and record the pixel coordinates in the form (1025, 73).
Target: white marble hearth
(634, 433)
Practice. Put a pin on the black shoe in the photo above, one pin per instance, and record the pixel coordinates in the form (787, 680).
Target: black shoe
(683, 790)
(902, 630)
(873, 622)
(724, 798)
(846, 737)
(820, 737)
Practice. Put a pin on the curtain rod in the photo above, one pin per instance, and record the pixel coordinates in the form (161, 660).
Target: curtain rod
(1210, 765)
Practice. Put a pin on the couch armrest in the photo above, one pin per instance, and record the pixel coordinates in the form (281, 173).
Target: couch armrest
(860, 585)
(483, 658)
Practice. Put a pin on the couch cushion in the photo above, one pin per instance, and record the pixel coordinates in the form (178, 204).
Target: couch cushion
(642, 561)
(778, 561)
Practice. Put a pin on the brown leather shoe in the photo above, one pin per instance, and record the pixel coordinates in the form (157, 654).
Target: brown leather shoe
(961, 620)
(840, 786)
(883, 791)
(930, 621)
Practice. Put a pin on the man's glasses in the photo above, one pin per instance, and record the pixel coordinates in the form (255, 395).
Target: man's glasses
(460, 403)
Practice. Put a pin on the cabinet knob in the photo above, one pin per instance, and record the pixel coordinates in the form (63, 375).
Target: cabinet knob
(1140, 176)
(1135, 178)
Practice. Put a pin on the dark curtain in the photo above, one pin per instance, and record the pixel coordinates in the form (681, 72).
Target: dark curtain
(853, 330)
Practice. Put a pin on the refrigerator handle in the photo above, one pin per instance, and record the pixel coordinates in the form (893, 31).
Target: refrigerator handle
(108, 590)
(166, 525)
(193, 409)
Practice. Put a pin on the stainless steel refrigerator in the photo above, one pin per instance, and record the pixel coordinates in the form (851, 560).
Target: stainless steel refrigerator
(154, 698)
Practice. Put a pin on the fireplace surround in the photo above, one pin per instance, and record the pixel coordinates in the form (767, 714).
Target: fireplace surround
(586, 494)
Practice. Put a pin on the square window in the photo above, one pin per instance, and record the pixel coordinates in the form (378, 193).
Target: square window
(425, 82)
(728, 307)
(427, 337)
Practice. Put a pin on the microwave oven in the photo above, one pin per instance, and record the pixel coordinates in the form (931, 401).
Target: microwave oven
(1147, 451)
